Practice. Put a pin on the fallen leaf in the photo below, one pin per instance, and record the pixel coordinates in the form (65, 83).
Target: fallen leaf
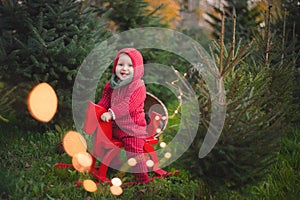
(27, 165)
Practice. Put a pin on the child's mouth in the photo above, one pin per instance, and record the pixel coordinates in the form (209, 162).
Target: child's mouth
(124, 74)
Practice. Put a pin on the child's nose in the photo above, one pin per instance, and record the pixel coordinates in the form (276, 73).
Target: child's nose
(126, 67)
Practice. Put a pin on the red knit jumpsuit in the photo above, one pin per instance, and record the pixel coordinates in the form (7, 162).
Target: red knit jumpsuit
(127, 104)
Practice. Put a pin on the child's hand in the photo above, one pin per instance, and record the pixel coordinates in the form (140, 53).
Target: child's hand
(107, 116)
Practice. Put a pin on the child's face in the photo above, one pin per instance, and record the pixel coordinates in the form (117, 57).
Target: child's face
(124, 68)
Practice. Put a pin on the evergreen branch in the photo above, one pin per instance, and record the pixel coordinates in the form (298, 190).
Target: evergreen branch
(3, 119)
(222, 43)
(283, 37)
(267, 36)
(38, 36)
(242, 112)
(242, 53)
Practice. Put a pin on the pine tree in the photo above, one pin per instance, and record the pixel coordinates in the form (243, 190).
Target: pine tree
(287, 25)
(45, 41)
(258, 85)
(247, 20)
(126, 14)
(6, 100)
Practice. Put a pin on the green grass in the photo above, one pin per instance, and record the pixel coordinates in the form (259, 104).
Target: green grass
(27, 172)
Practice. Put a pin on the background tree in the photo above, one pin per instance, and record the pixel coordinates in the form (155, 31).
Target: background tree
(6, 101)
(168, 11)
(258, 89)
(45, 41)
(125, 14)
(287, 26)
(248, 19)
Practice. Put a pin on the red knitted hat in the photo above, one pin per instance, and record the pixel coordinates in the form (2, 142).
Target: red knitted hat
(137, 62)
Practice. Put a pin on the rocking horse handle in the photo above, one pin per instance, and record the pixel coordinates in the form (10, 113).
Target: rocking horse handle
(93, 121)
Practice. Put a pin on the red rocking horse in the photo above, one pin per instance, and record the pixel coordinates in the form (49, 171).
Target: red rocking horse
(106, 147)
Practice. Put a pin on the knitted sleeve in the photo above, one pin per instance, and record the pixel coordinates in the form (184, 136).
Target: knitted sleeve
(106, 96)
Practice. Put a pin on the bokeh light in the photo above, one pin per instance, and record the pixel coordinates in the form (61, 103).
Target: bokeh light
(162, 144)
(149, 163)
(89, 185)
(116, 181)
(82, 161)
(168, 155)
(132, 162)
(73, 143)
(42, 102)
(116, 190)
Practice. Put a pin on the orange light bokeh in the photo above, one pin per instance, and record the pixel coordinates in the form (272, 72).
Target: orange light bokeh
(42, 102)
(73, 143)
(116, 190)
(89, 185)
(82, 161)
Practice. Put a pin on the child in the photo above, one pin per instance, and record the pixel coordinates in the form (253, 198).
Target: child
(123, 97)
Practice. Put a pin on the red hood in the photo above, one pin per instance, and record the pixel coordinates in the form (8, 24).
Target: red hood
(137, 62)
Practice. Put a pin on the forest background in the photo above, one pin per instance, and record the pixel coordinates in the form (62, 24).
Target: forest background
(255, 45)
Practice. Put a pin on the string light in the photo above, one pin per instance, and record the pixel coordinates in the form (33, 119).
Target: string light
(132, 162)
(168, 155)
(180, 96)
(149, 163)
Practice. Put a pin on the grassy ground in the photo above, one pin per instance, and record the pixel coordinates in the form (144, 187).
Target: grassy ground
(27, 172)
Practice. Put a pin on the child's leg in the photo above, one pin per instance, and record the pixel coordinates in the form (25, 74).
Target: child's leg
(134, 149)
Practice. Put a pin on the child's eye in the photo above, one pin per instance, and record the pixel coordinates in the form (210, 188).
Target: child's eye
(120, 64)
